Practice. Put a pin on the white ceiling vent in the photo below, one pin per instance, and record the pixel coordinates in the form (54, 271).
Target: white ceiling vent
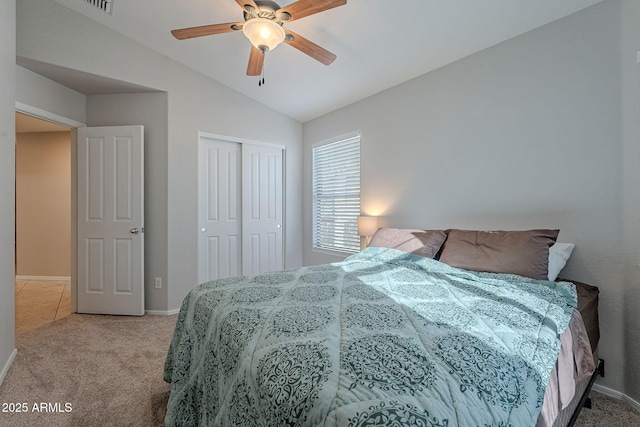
(103, 5)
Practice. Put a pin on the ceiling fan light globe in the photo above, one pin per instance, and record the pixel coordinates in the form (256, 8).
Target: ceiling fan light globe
(263, 33)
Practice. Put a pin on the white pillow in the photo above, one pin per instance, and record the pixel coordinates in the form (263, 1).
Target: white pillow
(558, 255)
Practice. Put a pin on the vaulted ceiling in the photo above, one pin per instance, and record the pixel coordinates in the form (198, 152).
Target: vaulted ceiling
(379, 44)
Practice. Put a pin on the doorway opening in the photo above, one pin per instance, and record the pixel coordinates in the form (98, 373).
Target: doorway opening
(43, 222)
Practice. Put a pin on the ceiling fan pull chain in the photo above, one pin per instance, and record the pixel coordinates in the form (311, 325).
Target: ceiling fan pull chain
(261, 78)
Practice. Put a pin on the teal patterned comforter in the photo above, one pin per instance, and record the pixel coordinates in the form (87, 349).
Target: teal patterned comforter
(383, 338)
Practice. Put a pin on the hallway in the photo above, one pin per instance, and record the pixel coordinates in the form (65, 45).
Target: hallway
(39, 302)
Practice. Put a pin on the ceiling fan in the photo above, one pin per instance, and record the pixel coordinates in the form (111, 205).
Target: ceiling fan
(263, 26)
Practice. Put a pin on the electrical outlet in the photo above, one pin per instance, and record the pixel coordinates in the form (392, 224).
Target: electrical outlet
(158, 283)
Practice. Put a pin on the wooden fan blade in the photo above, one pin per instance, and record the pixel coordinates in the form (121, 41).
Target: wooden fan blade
(244, 3)
(256, 60)
(310, 48)
(303, 8)
(206, 30)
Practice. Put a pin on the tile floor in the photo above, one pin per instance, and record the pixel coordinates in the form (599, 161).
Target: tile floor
(39, 302)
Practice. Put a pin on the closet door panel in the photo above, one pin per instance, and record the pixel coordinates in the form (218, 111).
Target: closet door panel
(262, 206)
(219, 209)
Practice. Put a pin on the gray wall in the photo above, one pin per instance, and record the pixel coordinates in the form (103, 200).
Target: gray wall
(50, 33)
(525, 134)
(630, 51)
(35, 91)
(7, 180)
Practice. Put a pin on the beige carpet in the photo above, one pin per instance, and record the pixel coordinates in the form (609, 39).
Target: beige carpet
(108, 369)
(608, 412)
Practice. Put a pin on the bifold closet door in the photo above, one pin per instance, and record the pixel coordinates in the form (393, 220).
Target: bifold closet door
(240, 206)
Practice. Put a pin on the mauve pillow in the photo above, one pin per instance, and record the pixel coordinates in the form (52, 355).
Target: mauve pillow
(421, 242)
(525, 253)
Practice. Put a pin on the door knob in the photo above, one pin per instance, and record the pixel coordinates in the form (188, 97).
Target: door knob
(134, 231)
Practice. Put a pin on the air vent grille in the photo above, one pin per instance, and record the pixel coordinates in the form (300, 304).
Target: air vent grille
(103, 5)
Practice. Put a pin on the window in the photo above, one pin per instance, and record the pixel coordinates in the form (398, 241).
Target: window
(336, 194)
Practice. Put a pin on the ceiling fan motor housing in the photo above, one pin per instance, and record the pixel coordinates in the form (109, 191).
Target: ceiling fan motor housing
(266, 9)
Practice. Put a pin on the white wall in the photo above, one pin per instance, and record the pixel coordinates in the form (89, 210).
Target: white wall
(7, 181)
(526, 134)
(50, 33)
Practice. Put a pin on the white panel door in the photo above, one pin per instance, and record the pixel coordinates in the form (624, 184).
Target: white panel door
(111, 220)
(262, 205)
(219, 209)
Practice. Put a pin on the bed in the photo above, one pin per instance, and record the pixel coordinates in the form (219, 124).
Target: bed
(398, 334)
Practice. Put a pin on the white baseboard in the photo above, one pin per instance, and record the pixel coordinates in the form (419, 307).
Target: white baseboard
(44, 278)
(617, 395)
(163, 313)
(7, 365)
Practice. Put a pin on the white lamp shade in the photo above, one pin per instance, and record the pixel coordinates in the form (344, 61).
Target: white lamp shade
(367, 225)
(263, 33)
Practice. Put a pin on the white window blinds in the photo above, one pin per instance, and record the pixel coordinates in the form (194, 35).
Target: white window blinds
(336, 195)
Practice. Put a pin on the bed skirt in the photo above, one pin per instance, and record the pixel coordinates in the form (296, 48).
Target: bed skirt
(568, 416)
